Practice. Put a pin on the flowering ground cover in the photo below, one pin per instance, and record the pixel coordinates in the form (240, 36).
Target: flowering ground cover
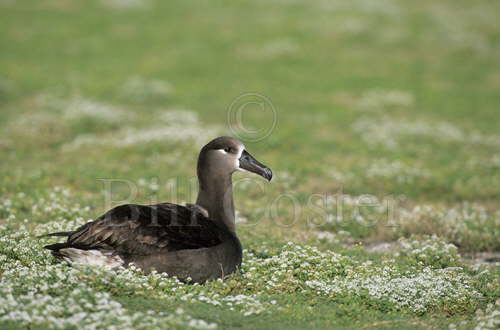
(380, 124)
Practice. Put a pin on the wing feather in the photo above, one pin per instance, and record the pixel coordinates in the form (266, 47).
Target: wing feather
(143, 229)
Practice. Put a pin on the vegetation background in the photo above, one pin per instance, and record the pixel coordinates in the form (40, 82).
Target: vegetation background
(387, 103)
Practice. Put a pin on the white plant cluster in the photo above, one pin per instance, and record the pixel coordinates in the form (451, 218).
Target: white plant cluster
(395, 170)
(177, 126)
(466, 224)
(74, 109)
(489, 318)
(469, 225)
(388, 132)
(79, 108)
(463, 29)
(343, 208)
(309, 270)
(493, 163)
(458, 223)
(32, 124)
(55, 205)
(418, 293)
(378, 99)
(151, 184)
(382, 7)
(270, 50)
(285, 179)
(338, 237)
(432, 252)
(340, 176)
(383, 169)
(119, 126)
(141, 89)
(126, 4)
(450, 27)
(179, 116)
(37, 290)
(45, 121)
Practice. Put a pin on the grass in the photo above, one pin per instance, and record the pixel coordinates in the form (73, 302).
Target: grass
(386, 131)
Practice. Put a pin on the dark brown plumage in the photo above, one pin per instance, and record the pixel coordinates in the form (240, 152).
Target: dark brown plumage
(193, 241)
(139, 229)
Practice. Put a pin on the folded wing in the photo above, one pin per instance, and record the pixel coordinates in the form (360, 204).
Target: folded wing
(144, 230)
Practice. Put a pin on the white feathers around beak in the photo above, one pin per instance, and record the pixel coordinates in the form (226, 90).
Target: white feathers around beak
(236, 156)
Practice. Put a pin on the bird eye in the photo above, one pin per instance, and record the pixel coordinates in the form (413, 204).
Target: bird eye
(227, 149)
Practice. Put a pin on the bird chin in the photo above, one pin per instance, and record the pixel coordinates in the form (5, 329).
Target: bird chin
(240, 169)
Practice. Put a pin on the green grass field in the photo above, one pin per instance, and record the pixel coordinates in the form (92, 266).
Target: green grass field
(379, 118)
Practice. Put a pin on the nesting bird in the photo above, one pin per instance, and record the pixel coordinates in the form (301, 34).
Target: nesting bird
(196, 241)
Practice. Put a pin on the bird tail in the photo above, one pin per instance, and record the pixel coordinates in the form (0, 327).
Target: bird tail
(54, 248)
(60, 233)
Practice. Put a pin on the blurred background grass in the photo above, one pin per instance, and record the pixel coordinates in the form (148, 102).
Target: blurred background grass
(385, 97)
(397, 99)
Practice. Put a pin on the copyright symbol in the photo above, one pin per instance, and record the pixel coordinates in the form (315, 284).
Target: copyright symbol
(255, 106)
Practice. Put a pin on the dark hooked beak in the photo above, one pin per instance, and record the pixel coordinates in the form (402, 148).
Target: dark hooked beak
(250, 164)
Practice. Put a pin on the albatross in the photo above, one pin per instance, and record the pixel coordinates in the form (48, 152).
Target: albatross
(196, 242)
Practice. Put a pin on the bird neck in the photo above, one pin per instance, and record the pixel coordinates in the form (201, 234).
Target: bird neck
(216, 196)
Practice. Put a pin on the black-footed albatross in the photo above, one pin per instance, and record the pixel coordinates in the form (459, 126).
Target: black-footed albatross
(196, 241)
